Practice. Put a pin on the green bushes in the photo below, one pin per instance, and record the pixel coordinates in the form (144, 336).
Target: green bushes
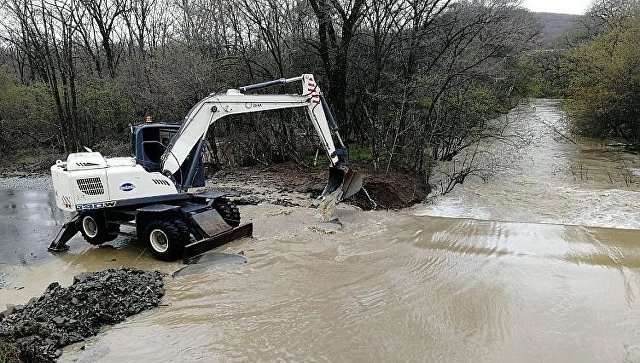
(604, 88)
(26, 116)
(103, 112)
(542, 74)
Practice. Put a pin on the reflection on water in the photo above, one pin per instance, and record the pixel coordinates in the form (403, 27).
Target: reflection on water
(508, 275)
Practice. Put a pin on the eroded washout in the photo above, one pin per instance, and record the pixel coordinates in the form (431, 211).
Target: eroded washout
(538, 263)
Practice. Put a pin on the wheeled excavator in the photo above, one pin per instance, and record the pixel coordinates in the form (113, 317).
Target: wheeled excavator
(153, 191)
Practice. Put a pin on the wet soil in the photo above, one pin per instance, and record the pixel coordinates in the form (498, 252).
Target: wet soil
(259, 184)
(292, 185)
(37, 331)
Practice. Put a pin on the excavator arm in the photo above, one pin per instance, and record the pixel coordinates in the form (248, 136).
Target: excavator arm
(190, 139)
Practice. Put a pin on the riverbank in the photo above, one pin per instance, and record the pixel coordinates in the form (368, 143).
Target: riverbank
(278, 184)
(295, 185)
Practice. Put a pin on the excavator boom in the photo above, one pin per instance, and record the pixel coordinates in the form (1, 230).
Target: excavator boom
(189, 140)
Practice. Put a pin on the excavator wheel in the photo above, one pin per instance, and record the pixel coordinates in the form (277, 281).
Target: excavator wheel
(228, 211)
(95, 229)
(167, 238)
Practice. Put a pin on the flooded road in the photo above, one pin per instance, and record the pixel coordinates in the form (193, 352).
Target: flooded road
(31, 216)
(540, 263)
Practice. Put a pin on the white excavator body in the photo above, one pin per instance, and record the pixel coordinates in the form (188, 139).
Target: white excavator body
(87, 180)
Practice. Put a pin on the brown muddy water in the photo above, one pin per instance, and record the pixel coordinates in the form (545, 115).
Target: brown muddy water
(539, 263)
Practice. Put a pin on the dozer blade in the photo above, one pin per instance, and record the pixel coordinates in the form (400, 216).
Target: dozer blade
(199, 247)
(350, 182)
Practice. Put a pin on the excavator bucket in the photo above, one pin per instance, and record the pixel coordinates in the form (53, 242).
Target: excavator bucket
(349, 181)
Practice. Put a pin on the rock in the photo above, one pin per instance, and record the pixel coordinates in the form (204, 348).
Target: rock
(7, 312)
(285, 202)
(75, 337)
(61, 316)
(248, 201)
(15, 308)
(81, 278)
(337, 222)
(32, 301)
(53, 287)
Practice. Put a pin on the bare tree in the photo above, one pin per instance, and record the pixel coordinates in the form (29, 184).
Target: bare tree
(104, 15)
(333, 46)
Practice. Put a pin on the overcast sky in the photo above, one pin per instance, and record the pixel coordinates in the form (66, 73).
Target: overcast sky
(557, 6)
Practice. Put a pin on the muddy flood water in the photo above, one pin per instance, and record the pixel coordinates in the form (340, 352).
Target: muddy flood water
(539, 263)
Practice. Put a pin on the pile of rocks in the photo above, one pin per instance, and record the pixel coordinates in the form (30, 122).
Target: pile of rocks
(36, 331)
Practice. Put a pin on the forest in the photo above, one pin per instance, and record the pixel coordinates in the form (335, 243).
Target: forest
(411, 82)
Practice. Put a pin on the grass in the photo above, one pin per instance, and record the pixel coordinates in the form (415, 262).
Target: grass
(357, 153)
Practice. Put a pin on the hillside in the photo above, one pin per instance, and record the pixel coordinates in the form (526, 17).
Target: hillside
(554, 26)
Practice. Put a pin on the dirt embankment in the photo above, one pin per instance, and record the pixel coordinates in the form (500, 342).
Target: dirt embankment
(258, 184)
(37, 331)
(295, 185)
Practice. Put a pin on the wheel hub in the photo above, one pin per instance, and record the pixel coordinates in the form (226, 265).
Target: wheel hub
(159, 240)
(90, 226)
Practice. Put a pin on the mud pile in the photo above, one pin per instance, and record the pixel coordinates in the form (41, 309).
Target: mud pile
(36, 331)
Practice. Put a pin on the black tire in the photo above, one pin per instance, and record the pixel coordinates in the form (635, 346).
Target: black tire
(95, 229)
(113, 229)
(228, 211)
(166, 238)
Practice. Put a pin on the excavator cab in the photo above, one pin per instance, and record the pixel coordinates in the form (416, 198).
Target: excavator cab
(149, 141)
